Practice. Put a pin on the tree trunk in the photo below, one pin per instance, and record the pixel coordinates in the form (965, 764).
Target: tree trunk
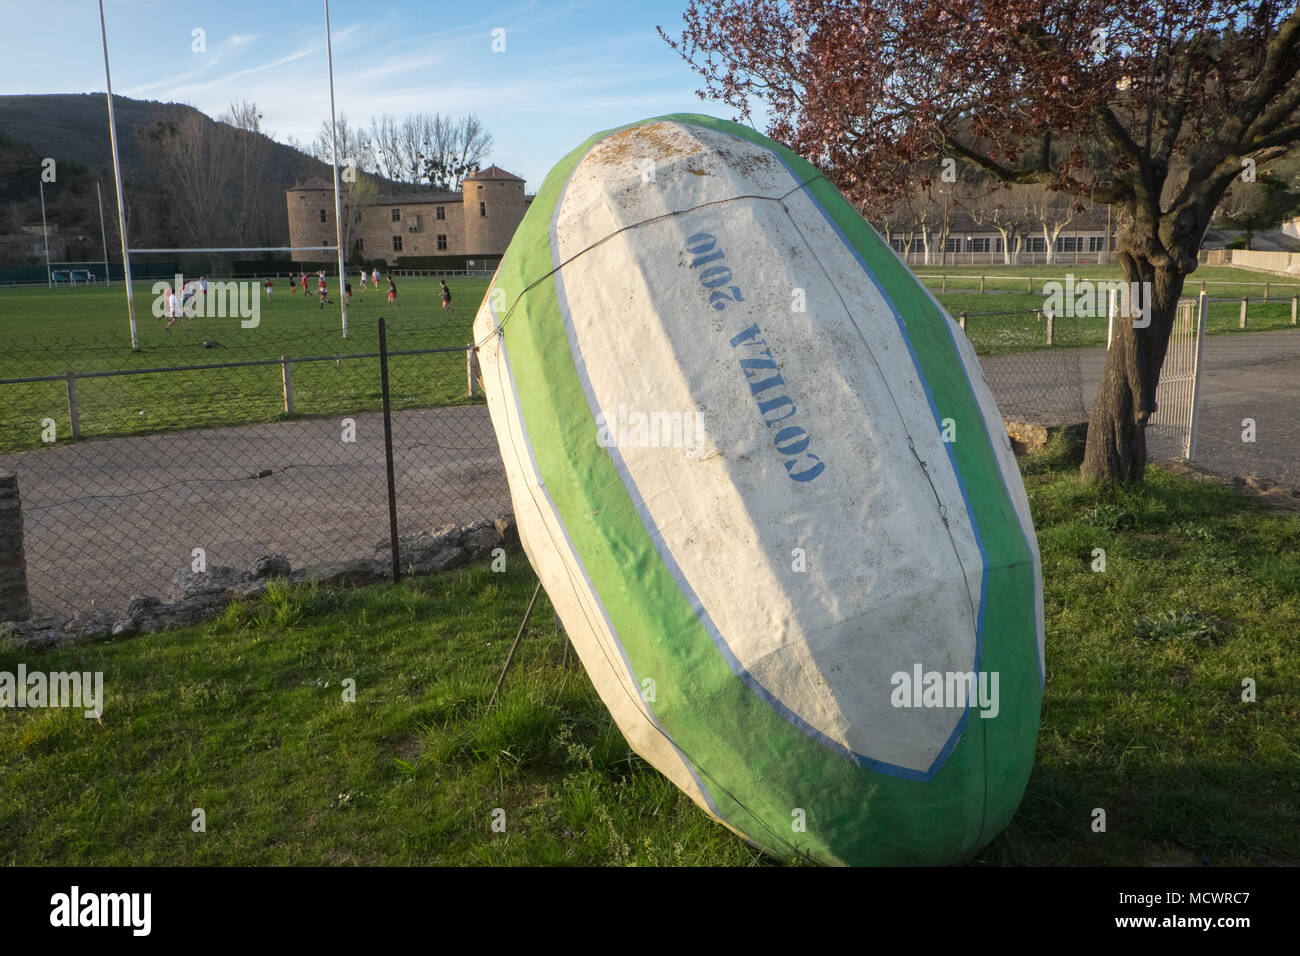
(1116, 449)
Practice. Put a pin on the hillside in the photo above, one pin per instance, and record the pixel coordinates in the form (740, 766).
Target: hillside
(73, 129)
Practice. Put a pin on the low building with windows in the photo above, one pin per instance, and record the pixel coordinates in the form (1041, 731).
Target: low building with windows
(964, 240)
(426, 229)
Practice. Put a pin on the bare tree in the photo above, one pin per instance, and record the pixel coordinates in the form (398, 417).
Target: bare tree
(256, 214)
(201, 165)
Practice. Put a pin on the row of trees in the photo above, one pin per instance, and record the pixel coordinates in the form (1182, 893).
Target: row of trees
(420, 151)
(927, 215)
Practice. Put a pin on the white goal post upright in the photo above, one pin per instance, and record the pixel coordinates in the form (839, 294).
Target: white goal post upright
(334, 154)
(117, 175)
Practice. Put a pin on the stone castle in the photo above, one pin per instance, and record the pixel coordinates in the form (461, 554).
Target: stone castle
(475, 223)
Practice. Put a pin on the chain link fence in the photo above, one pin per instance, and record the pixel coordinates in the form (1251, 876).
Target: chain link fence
(129, 462)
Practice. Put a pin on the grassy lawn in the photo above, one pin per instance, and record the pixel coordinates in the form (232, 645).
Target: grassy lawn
(243, 717)
(51, 331)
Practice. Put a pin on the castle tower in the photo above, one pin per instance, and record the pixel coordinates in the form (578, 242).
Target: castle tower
(493, 206)
(311, 218)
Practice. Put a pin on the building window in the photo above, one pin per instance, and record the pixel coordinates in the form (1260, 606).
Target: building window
(1068, 244)
(397, 214)
(440, 212)
(954, 244)
(397, 243)
(482, 209)
(898, 244)
(442, 243)
(1096, 243)
(977, 245)
(323, 217)
(1035, 244)
(360, 245)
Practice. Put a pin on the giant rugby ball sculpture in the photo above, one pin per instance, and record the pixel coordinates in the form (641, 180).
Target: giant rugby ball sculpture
(758, 470)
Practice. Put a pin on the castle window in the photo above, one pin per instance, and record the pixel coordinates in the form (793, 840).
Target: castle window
(482, 209)
(442, 243)
(441, 212)
(360, 245)
(397, 214)
(323, 217)
(397, 243)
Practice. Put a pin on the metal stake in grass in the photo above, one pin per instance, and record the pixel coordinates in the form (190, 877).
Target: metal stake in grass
(513, 647)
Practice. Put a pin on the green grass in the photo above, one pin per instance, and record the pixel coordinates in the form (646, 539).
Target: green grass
(49, 332)
(244, 717)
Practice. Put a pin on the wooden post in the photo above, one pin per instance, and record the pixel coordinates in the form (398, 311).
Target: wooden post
(1294, 301)
(943, 284)
(471, 370)
(1049, 326)
(1202, 285)
(1265, 290)
(961, 320)
(981, 285)
(73, 413)
(1029, 284)
(1242, 323)
(286, 371)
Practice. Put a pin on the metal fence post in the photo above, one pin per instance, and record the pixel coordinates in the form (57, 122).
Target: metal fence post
(1196, 374)
(1110, 317)
(388, 451)
(73, 412)
(286, 373)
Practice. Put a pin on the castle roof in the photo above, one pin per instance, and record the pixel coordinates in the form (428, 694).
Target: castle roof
(417, 199)
(493, 172)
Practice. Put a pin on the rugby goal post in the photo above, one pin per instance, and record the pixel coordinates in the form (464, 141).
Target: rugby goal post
(121, 204)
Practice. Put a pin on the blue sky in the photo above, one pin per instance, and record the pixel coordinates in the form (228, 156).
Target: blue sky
(570, 67)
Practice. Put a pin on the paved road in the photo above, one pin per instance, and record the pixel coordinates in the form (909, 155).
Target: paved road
(109, 518)
(1256, 375)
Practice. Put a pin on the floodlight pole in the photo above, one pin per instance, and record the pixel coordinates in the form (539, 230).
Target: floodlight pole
(103, 236)
(45, 233)
(334, 152)
(117, 175)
